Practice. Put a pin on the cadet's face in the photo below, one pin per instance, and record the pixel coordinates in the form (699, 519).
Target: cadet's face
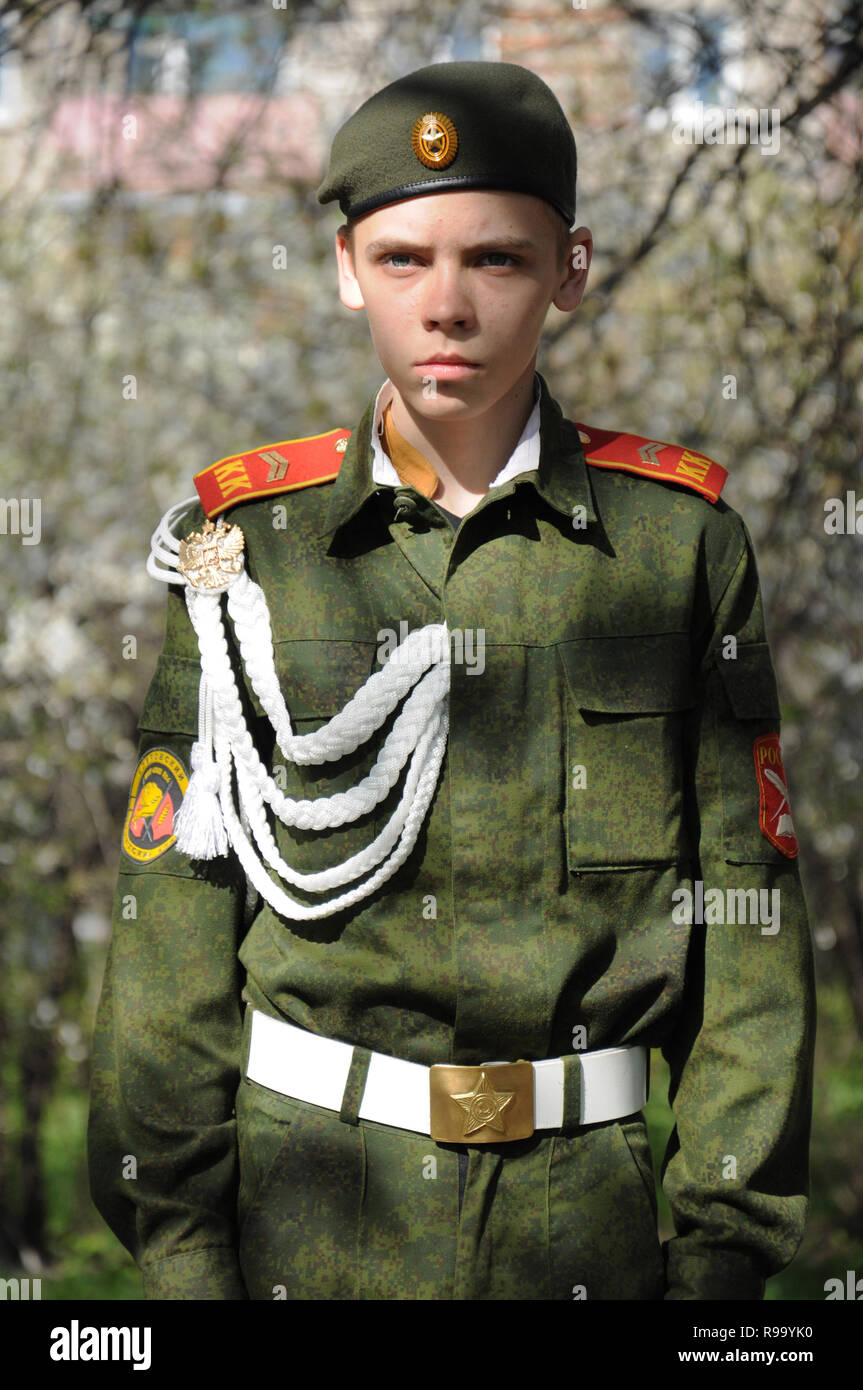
(468, 274)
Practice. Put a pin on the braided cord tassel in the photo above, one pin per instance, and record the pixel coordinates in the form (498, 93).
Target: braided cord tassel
(199, 825)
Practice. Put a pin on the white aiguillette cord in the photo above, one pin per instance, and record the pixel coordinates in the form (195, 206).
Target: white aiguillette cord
(210, 563)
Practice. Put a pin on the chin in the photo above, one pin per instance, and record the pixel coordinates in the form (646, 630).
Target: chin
(441, 406)
(449, 394)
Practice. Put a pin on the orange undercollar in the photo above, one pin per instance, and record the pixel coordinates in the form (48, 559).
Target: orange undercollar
(412, 466)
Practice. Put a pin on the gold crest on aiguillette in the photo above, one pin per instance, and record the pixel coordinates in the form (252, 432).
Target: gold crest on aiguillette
(210, 558)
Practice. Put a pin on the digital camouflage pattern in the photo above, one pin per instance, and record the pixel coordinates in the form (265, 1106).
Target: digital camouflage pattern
(601, 760)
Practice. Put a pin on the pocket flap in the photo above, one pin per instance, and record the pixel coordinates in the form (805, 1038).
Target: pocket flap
(750, 683)
(630, 675)
(171, 703)
(319, 678)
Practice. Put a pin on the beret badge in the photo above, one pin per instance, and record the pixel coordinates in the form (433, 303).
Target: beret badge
(435, 140)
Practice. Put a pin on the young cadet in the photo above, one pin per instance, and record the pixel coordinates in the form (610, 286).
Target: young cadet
(459, 789)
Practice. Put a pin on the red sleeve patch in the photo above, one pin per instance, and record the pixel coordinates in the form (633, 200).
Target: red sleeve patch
(653, 458)
(774, 814)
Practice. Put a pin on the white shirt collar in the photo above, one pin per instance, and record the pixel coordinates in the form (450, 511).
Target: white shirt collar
(523, 458)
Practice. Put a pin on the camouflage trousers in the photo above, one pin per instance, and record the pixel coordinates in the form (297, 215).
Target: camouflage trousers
(334, 1207)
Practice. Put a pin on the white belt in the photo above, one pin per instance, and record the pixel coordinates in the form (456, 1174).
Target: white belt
(307, 1067)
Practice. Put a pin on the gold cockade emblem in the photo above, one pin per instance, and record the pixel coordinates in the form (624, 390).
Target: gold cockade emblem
(435, 140)
(210, 558)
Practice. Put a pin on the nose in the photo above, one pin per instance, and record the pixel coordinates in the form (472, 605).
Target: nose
(446, 301)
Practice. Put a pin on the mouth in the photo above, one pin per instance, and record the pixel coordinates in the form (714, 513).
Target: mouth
(447, 367)
(447, 360)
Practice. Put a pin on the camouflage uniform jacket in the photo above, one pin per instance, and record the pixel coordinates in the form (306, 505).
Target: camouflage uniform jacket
(600, 760)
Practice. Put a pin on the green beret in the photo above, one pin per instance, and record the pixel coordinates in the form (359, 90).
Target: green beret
(452, 126)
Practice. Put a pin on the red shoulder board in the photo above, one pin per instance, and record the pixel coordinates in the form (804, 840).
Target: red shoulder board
(271, 469)
(670, 463)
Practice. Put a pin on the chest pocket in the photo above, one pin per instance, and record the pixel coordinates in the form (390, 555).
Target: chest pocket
(318, 678)
(626, 699)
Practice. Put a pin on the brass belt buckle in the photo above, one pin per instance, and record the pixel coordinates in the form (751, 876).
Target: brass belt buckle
(489, 1104)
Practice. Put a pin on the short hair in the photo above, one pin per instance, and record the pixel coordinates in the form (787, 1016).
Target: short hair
(561, 233)
(556, 219)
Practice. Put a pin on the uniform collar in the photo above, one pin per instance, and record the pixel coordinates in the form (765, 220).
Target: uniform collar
(524, 457)
(548, 455)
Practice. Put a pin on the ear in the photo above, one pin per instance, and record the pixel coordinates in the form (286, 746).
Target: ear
(572, 286)
(349, 289)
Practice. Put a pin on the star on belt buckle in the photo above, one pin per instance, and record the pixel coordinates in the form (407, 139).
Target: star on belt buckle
(488, 1104)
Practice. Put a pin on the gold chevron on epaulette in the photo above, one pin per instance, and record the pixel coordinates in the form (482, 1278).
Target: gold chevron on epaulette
(271, 469)
(652, 458)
